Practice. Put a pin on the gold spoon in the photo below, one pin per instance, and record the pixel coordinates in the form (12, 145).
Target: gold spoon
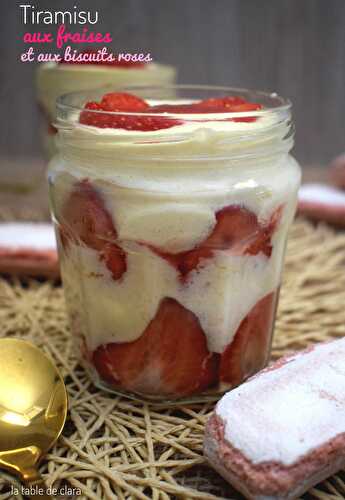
(33, 408)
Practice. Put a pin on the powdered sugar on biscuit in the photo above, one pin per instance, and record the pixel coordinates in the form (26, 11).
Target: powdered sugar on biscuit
(283, 414)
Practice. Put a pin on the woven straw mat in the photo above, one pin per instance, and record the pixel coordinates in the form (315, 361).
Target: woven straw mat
(116, 448)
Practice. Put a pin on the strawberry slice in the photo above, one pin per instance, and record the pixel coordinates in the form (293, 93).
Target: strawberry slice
(176, 108)
(115, 259)
(248, 351)
(222, 103)
(85, 219)
(128, 122)
(243, 108)
(85, 216)
(121, 101)
(51, 130)
(262, 243)
(170, 358)
(93, 119)
(235, 227)
(237, 230)
(113, 101)
(231, 105)
(213, 105)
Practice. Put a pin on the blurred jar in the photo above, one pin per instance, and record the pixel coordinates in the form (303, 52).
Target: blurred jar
(172, 240)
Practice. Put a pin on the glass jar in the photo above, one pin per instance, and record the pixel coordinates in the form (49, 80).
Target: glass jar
(172, 241)
(56, 79)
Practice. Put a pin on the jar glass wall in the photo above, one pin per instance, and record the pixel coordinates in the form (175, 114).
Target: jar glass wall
(171, 240)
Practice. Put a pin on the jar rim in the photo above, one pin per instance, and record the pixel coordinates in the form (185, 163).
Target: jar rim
(74, 102)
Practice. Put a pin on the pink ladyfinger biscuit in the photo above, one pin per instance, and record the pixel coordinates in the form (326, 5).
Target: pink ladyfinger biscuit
(322, 202)
(28, 249)
(283, 431)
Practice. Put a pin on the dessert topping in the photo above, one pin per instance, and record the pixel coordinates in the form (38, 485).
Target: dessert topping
(115, 102)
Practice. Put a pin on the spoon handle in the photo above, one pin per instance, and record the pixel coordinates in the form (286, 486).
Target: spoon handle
(33, 480)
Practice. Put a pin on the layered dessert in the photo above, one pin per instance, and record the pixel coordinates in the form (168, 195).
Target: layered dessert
(56, 79)
(171, 218)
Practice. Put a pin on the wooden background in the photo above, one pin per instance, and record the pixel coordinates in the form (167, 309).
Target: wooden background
(294, 47)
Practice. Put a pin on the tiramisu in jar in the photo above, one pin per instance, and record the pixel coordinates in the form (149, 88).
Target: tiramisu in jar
(56, 79)
(171, 217)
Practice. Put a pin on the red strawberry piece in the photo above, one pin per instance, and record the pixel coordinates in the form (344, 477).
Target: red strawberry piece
(94, 119)
(187, 261)
(121, 101)
(242, 108)
(52, 130)
(84, 214)
(118, 102)
(170, 357)
(222, 103)
(237, 230)
(144, 123)
(93, 105)
(128, 122)
(196, 107)
(176, 108)
(235, 227)
(262, 243)
(184, 262)
(115, 259)
(96, 106)
(85, 219)
(213, 105)
(249, 350)
(231, 105)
